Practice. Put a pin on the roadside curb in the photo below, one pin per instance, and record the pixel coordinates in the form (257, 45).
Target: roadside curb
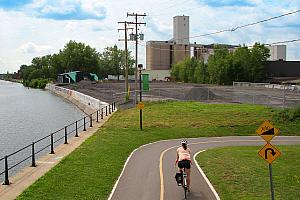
(204, 176)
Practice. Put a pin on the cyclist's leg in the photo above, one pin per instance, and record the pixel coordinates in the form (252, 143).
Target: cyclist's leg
(188, 173)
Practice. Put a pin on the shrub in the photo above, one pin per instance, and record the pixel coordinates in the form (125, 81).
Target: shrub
(288, 115)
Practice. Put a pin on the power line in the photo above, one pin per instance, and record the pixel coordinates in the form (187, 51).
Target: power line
(136, 23)
(265, 20)
(241, 26)
(245, 25)
(284, 42)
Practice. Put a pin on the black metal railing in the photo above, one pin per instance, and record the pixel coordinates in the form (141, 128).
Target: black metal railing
(31, 151)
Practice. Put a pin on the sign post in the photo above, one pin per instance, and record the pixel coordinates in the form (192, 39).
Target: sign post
(140, 66)
(269, 153)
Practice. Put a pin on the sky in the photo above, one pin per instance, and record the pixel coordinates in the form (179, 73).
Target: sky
(32, 28)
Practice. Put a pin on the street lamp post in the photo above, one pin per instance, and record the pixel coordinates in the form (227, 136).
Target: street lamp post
(140, 66)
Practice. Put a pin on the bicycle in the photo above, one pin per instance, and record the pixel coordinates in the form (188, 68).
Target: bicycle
(181, 179)
(184, 182)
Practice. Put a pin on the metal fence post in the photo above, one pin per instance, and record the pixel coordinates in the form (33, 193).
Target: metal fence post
(109, 109)
(6, 181)
(91, 120)
(66, 135)
(33, 156)
(101, 113)
(208, 94)
(97, 116)
(106, 110)
(283, 103)
(84, 129)
(76, 131)
(52, 146)
(112, 107)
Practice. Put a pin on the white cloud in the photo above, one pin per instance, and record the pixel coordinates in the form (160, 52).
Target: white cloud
(72, 26)
(32, 48)
(47, 35)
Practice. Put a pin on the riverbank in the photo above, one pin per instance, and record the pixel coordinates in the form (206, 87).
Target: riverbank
(96, 173)
(84, 102)
(29, 175)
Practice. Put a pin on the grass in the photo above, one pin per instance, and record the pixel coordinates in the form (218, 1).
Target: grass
(91, 170)
(240, 173)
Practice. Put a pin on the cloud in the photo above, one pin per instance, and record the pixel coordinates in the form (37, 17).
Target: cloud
(58, 9)
(72, 26)
(32, 48)
(69, 10)
(13, 4)
(160, 28)
(228, 3)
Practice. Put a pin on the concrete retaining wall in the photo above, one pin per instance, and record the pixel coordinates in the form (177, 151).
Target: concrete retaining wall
(86, 103)
(266, 85)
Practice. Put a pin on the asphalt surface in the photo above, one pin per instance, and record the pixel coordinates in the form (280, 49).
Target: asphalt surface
(142, 179)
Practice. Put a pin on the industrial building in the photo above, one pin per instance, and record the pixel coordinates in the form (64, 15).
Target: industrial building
(161, 55)
(277, 52)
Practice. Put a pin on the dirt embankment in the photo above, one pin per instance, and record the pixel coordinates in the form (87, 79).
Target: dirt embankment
(115, 91)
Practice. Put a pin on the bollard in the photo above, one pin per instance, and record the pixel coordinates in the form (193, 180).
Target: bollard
(106, 110)
(33, 156)
(97, 116)
(52, 148)
(84, 129)
(66, 136)
(109, 109)
(76, 126)
(113, 107)
(91, 121)
(101, 113)
(6, 181)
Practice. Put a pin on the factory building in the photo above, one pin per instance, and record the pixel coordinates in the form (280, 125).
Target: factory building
(277, 52)
(161, 55)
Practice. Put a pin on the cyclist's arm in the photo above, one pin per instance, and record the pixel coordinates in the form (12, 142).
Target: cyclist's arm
(190, 159)
(177, 157)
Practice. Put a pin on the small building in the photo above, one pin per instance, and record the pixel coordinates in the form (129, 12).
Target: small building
(76, 76)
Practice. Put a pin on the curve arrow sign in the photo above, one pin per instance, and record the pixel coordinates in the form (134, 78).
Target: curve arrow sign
(272, 152)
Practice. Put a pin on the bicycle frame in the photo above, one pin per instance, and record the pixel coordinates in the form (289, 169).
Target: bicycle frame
(184, 182)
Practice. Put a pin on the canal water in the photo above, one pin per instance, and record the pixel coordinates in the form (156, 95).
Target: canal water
(27, 115)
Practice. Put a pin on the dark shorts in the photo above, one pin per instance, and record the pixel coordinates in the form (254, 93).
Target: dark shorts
(184, 164)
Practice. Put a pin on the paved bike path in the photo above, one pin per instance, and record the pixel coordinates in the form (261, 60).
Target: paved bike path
(142, 179)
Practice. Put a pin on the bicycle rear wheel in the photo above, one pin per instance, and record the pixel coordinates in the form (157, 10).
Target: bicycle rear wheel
(185, 191)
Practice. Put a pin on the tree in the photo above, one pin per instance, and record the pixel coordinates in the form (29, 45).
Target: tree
(259, 54)
(79, 57)
(112, 61)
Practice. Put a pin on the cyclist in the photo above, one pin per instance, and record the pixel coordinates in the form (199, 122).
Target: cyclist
(183, 160)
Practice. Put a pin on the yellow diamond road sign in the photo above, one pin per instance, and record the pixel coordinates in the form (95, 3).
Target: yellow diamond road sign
(267, 131)
(269, 153)
(141, 105)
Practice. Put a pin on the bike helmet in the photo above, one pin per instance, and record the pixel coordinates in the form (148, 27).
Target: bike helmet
(183, 142)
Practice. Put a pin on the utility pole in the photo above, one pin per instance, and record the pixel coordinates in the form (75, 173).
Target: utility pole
(136, 23)
(126, 55)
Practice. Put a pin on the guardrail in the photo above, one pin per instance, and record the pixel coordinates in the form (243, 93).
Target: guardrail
(53, 139)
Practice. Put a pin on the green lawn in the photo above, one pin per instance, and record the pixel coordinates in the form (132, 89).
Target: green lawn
(91, 170)
(240, 173)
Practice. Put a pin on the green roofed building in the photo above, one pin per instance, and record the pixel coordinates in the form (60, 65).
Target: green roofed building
(76, 76)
